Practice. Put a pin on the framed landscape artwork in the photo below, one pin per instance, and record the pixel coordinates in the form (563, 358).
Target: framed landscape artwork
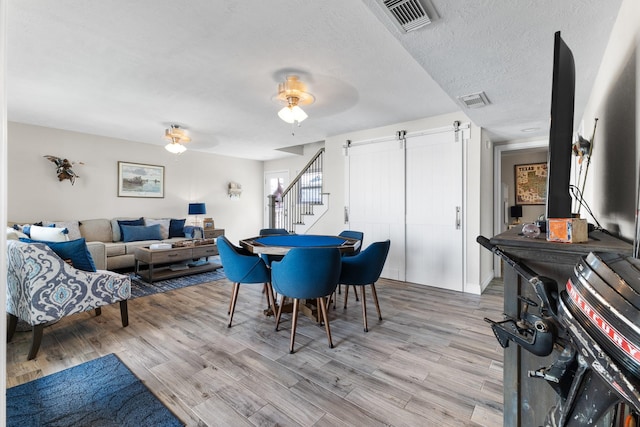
(531, 184)
(140, 180)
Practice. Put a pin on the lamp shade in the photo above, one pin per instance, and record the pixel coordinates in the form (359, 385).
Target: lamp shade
(175, 148)
(197, 208)
(291, 114)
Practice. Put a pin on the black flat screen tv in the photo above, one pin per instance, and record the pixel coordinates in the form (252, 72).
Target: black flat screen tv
(558, 204)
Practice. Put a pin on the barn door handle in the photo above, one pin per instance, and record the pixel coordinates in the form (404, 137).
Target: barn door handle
(458, 217)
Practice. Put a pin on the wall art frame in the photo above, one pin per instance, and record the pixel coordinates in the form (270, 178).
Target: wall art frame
(531, 184)
(140, 180)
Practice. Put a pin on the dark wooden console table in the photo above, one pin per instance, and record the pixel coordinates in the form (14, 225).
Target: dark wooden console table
(527, 400)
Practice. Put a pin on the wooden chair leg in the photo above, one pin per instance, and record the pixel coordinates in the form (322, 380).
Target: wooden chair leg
(375, 300)
(364, 310)
(37, 339)
(294, 323)
(124, 313)
(98, 311)
(11, 326)
(355, 292)
(326, 321)
(346, 295)
(282, 300)
(234, 298)
(271, 298)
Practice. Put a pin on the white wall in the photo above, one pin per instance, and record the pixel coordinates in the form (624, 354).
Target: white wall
(35, 194)
(477, 157)
(612, 187)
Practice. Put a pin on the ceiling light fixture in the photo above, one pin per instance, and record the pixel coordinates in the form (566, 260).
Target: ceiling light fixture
(293, 93)
(177, 136)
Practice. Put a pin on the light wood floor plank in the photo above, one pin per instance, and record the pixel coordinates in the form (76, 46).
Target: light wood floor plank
(431, 361)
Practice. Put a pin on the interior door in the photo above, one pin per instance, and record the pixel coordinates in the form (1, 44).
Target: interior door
(375, 198)
(273, 182)
(434, 216)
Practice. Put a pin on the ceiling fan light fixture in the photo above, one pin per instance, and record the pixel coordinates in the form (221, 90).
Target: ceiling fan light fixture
(293, 93)
(177, 136)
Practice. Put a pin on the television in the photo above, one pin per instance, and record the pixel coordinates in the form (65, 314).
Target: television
(558, 204)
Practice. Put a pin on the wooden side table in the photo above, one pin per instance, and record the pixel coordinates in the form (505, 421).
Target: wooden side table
(211, 233)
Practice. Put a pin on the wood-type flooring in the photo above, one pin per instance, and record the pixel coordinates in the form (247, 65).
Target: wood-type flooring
(431, 361)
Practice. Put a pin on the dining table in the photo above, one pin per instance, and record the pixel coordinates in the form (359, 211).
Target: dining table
(280, 244)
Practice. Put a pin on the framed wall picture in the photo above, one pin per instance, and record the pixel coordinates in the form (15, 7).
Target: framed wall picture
(531, 184)
(208, 223)
(140, 180)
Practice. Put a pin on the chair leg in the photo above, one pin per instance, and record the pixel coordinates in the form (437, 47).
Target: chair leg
(37, 339)
(326, 321)
(271, 298)
(11, 326)
(355, 291)
(346, 295)
(364, 310)
(282, 300)
(375, 300)
(124, 313)
(234, 298)
(294, 323)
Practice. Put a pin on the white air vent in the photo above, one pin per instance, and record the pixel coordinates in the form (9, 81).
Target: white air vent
(474, 100)
(409, 14)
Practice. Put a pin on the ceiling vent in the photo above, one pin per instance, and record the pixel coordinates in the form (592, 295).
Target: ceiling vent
(474, 100)
(408, 14)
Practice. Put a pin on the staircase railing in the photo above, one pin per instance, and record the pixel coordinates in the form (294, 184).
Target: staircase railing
(297, 200)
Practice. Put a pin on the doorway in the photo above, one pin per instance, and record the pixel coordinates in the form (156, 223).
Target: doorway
(274, 183)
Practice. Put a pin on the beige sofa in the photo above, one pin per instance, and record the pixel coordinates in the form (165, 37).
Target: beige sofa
(105, 243)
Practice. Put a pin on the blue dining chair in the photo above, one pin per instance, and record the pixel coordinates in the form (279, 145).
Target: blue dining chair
(272, 231)
(364, 270)
(306, 273)
(241, 267)
(351, 234)
(268, 259)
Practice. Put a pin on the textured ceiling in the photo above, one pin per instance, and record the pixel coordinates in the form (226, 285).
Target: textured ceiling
(129, 69)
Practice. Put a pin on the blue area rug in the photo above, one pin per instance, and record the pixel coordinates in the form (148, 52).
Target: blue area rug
(102, 392)
(140, 288)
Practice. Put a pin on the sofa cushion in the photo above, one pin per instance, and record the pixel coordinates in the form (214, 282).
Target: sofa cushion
(48, 234)
(72, 226)
(134, 233)
(117, 230)
(13, 234)
(164, 225)
(96, 230)
(74, 252)
(114, 248)
(176, 228)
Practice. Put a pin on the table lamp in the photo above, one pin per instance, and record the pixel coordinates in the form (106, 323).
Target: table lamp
(197, 209)
(516, 212)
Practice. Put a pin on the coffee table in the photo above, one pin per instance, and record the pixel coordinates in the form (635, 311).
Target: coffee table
(160, 261)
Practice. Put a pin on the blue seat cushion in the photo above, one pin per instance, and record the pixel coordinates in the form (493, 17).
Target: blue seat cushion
(75, 252)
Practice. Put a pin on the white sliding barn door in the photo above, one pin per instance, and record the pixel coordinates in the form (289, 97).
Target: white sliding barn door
(375, 198)
(434, 216)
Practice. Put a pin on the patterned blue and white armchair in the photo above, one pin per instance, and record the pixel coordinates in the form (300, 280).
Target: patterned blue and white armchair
(42, 288)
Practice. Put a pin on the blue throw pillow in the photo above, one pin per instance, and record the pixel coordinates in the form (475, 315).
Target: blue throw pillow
(135, 233)
(121, 222)
(176, 228)
(74, 251)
